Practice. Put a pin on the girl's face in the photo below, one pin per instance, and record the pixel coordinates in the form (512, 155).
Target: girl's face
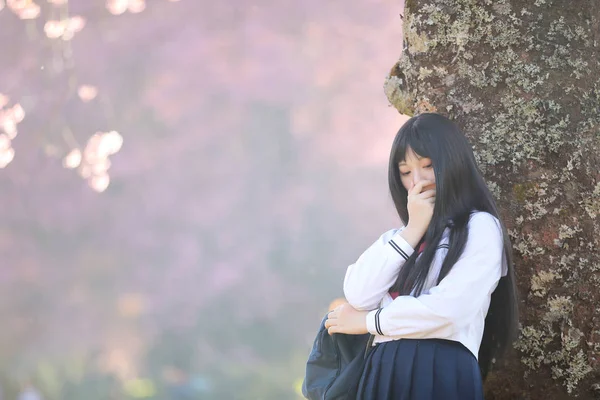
(415, 168)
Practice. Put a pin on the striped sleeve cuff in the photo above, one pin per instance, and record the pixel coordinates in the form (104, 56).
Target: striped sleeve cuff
(398, 245)
(373, 322)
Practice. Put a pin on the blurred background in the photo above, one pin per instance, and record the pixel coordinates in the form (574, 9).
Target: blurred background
(183, 184)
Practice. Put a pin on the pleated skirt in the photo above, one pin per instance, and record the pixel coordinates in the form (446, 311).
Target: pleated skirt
(420, 369)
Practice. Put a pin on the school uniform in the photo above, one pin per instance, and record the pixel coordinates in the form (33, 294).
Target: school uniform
(426, 347)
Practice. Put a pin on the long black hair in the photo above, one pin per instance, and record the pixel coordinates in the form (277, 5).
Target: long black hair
(460, 191)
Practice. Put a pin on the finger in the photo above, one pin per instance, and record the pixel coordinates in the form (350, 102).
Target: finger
(429, 187)
(426, 194)
(332, 330)
(419, 187)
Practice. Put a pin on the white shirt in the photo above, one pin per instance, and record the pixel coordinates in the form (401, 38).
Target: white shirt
(453, 310)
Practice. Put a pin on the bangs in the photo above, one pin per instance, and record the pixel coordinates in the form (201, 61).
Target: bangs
(410, 138)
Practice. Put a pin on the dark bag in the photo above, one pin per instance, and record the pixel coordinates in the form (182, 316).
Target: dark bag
(335, 365)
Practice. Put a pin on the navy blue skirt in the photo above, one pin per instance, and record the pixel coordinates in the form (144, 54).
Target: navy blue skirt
(420, 369)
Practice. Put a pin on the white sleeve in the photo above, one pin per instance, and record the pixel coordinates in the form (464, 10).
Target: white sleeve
(371, 276)
(458, 298)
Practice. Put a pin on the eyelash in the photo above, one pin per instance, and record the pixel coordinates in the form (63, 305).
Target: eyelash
(406, 173)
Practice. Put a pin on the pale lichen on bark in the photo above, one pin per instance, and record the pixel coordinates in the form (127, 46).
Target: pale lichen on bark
(523, 80)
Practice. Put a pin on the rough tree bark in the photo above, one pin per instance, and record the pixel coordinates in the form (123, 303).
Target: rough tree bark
(522, 78)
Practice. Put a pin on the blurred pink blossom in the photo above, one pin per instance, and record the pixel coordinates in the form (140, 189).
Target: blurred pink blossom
(73, 159)
(117, 7)
(101, 167)
(85, 171)
(17, 5)
(76, 23)
(9, 118)
(99, 182)
(18, 113)
(110, 143)
(6, 156)
(9, 126)
(31, 11)
(54, 29)
(137, 6)
(4, 141)
(64, 29)
(87, 93)
(90, 153)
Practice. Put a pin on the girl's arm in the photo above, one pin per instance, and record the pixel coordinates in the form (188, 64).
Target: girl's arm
(376, 270)
(453, 303)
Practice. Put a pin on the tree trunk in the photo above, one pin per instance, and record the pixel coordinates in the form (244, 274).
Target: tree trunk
(522, 79)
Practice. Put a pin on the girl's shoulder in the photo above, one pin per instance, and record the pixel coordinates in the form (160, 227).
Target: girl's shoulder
(482, 222)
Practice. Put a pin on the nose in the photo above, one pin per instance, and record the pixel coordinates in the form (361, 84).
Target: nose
(416, 177)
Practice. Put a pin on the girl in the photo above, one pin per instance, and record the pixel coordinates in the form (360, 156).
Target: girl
(439, 293)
